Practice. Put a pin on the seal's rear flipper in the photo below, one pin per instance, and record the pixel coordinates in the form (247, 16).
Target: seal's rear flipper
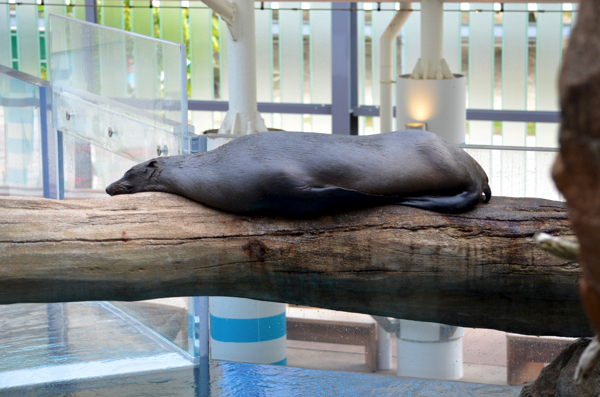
(449, 204)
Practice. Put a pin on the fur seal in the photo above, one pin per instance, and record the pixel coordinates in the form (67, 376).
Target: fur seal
(307, 174)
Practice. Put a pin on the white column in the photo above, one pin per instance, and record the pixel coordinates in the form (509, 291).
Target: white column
(243, 116)
(428, 350)
(386, 44)
(247, 330)
(432, 28)
(440, 104)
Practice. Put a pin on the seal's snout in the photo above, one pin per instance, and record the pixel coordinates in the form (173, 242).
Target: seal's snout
(119, 187)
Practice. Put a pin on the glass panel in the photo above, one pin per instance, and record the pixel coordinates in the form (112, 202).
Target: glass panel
(5, 40)
(201, 64)
(264, 59)
(89, 169)
(20, 134)
(320, 62)
(79, 9)
(481, 71)
(291, 63)
(514, 71)
(28, 39)
(361, 62)
(453, 36)
(380, 21)
(60, 9)
(549, 55)
(142, 21)
(69, 341)
(96, 95)
(223, 65)
(170, 22)
(121, 98)
(518, 173)
(112, 14)
(411, 40)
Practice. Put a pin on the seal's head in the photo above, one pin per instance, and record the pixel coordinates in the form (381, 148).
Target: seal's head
(140, 178)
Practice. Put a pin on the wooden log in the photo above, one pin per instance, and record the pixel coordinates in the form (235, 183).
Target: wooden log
(478, 269)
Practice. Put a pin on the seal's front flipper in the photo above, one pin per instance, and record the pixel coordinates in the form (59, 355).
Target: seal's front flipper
(319, 200)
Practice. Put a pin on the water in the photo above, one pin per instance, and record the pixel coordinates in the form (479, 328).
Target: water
(226, 379)
(86, 349)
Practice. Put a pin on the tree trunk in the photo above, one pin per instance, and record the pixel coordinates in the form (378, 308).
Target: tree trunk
(478, 269)
(577, 167)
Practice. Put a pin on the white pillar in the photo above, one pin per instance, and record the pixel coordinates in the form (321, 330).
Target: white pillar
(243, 116)
(432, 27)
(440, 104)
(247, 330)
(386, 45)
(428, 350)
(384, 349)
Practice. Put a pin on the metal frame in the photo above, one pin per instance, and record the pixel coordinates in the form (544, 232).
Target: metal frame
(344, 68)
(525, 116)
(52, 174)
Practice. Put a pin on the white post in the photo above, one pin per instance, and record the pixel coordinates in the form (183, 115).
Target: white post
(432, 27)
(243, 116)
(386, 44)
(428, 350)
(247, 330)
(384, 349)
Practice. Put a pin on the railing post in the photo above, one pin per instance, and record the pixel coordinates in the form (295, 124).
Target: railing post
(91, 11)
(344, 69)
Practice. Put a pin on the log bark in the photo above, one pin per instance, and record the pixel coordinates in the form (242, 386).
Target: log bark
(478, 269)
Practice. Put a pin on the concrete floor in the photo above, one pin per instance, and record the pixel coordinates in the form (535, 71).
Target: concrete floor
(484, 357)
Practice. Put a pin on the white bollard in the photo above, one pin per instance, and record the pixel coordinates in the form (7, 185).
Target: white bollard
(247, 330)
(440, 104)
(429, 350)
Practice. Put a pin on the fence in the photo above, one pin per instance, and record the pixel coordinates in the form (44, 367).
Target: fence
(510, 53)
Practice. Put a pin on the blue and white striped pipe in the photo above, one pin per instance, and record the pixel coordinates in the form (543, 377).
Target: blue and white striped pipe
(247, 330)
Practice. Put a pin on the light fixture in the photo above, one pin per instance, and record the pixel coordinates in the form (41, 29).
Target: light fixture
(416, 126)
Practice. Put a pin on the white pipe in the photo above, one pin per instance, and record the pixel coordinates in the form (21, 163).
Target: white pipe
(432, 27)
(386, 44)
(243, 116)
(384, 349)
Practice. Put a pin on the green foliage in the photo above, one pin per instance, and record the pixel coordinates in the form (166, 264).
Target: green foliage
(156, 16)
(127, 16)
(215, 33)
(186, 41)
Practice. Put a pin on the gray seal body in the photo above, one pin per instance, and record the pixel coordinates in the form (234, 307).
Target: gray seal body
(306, 174)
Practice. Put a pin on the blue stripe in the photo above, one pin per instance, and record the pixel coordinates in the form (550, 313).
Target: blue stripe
(282, 362)
(247, 330)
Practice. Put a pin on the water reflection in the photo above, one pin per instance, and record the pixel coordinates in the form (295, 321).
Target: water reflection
(228, 379)
(84, 349)
(58, 335)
